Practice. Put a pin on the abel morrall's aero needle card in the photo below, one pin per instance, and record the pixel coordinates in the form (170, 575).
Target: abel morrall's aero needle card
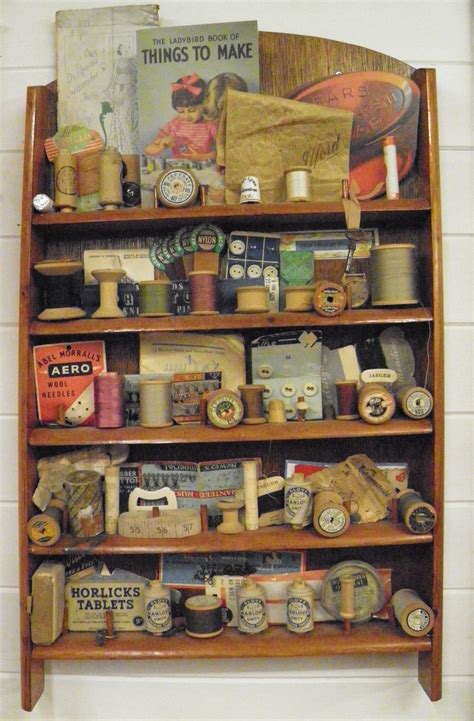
(183, 73)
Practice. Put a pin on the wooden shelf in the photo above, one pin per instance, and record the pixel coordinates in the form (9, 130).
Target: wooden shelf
(278, 538)
(310, 430)
(327, 639)
(187, 323)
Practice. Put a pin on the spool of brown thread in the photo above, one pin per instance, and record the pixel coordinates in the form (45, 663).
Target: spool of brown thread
(252, 398)
(203, 292)
(347, 400)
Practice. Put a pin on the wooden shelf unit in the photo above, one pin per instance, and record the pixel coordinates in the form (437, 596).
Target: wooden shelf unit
(414, 559)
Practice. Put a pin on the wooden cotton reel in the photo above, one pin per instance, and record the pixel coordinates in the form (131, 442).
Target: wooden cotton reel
(330, 517)
(376, 403)
(58, 278)
(108, 279)
(414, 615)
(329, 298)
(393, 275)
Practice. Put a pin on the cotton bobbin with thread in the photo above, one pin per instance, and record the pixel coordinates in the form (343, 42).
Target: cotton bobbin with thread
(60, 290)
(330, 516)
(417, 515)
(414, 401)
(347, 400)
(155, 298)
(203, 290)
(298, 183)
(394, 274)
(203, 616)
(376, 403)
(155, 404)
(252, 398)
(329, 299)
(414, 616)
(108, 407)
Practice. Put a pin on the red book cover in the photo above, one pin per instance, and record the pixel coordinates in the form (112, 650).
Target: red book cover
(64, 378)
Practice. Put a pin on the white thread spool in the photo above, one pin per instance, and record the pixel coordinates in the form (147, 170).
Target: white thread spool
(392, 189)
(112, 498)
(299, 607)
(250, 495)
(298, 183)
(252, 608)
(155, 404)
(157, 608)
(393, 275)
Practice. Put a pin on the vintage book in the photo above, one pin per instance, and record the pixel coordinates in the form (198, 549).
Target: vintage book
(96, 70)
(194, 484)
(64, 379)
(183, 73)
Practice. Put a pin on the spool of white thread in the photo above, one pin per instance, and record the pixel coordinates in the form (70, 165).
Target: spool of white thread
(392, 190)
(155, 404)
(250, 495)
(298, 183)
(393, 274)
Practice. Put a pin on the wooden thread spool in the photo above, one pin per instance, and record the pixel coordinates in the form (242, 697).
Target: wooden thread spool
(112, 498)
(330, 516)
(224, 408)
(393, 275)
(110, 179)
(157, 598)
(253, 299)
(65, 181)
(376, 403)
(203, 615)
(299, 298)
(203, 288)
(298, 495)
(108, 279)
(252, 398)
(108, 407)
(252, 608)
(414, 616)
(414, 401)
(155, 404)
(230, 511)
(392, 189)
(61, 298)
(299, 607)
(250, 473)
(417, 515)
(298, 183)
(155, 298)
(347, 609)
(84, 503)
(45, 528)
(276, 411)
(347, 400)
(329, 299)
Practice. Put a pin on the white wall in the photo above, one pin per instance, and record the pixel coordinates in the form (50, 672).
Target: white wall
(423, 33)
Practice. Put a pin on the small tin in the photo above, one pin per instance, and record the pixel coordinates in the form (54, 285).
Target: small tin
(299, 607)
(157, 608)
(252, 608)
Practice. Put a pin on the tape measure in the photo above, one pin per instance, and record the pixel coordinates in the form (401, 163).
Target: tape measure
(171, 523)
(329, 298)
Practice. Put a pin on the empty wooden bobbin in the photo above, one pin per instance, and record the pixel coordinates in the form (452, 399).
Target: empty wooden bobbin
(230, 511)
(252, 398)
(108, 279)
(347, 609)
(60, 295)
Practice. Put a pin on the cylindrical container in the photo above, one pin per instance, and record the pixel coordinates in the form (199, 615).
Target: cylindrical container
(392, 190)
(112, 498)
(224, 408)
(414, 615)
(298, 493)
(253, 299)
(298, 183)
(43, 203)
(155, 298)
(417, 515)
(250, 473)
(110, 179)
(252, 607)
(414, 401)
(276, 411)
(60, 284)
(299, 298)
(250, 190)
(329, 299)
(376, 403)
(299, 607)
(157, 598)
(203, 615)
(65, 181)
(84, 503)
(203, 288)
(155, 404)
(393, 275)
(330, 516)
(108, 408)
(252, 398)
(347, 400)
(45, 528)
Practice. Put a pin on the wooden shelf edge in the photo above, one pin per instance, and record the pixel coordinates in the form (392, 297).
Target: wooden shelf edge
(235, 321)
(328, 639)
(278, 538)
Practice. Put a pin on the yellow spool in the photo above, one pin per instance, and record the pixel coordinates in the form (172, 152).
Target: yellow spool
(376, 403)
(298, 183)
